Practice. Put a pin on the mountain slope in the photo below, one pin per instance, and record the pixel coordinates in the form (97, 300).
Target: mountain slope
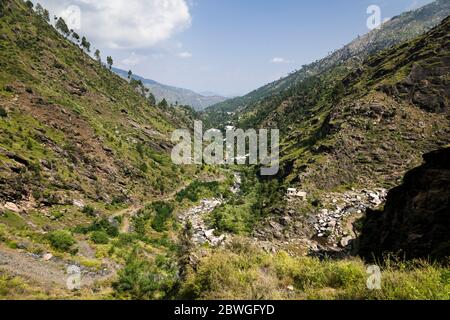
(375, 124)
(175, 95)
(398, 29)
(70, 129)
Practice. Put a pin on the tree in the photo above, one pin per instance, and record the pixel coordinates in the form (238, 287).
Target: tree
(29, 4)
(130, 73)
(97, 56)
(151, 99)
(163, 103)
(109, 61)
(46, 15)
(2, 8)
(43, 13)
(85, 44)
(76, 36)
(62, 27)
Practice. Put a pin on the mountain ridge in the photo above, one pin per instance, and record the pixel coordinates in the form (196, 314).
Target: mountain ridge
(175, 95)
(400, 28)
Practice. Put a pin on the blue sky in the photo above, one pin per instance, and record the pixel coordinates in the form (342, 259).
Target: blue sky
(226, 46)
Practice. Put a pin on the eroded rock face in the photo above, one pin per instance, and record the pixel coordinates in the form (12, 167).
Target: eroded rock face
(415, 222)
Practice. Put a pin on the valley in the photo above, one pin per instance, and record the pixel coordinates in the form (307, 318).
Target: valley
(88, 182)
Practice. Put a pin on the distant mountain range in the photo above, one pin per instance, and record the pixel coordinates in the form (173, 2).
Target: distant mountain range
(400, 28)
(198, 101)
(337, 114)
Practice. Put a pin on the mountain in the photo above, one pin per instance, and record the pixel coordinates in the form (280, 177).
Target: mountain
(81, 153)
(92, 206)
(367, 126)
(176, 95)
(400, 28)
(70, 128)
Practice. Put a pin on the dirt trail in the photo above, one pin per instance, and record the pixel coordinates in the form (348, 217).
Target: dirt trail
(49, 274)
(128, 213)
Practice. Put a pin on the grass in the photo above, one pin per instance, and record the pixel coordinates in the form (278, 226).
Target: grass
(245, 272)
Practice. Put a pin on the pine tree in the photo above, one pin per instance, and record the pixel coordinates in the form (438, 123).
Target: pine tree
(97, 56)
(75, 36)
(85, 44)
(2, 8)
(62, 27)
(151, 99)
(29, 4)
(163, 103)
(109, 61)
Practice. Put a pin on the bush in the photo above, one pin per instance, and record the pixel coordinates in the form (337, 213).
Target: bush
(99, 237)
(61, 240)
(197, 189)
(99, 225)
(88, 210)
(144, 280)
(163, 211)
(3, 113)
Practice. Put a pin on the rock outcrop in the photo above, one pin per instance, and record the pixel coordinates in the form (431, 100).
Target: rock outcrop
(415, 222)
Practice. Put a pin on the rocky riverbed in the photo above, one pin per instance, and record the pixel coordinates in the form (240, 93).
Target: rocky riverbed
(335, 222)
(328, 227)
(196, 216)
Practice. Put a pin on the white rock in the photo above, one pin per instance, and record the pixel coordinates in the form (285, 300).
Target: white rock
(209, 233)
(78, 203)
(12, 206)
(345, 241)
(47, 256)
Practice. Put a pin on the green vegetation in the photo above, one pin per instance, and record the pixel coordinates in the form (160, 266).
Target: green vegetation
(142, 280)
(197, 190)
(163, 212)
(100, 237)
(3, 112)
(90, 211)
(103, 225)
(73, 132)
(244, 272)
(243, 211)
(61, 240)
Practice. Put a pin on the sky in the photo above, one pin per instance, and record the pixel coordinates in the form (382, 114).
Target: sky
(229, 47)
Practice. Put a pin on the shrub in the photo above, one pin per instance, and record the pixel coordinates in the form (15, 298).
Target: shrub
(3, 113)
(197, 189)
(142, 279)
(61, 240)
(99, 237)
(163, 212)
(99, 225)
(88, 210)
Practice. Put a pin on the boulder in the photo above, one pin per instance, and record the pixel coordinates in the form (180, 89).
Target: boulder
(345, 241)
(12, 207)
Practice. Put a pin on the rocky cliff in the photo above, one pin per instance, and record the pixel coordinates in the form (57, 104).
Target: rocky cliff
(415, 222)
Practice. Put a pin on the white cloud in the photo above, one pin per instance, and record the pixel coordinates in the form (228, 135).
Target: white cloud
(279, 60)
(133, 60)
(128, 24)
(185, 55)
